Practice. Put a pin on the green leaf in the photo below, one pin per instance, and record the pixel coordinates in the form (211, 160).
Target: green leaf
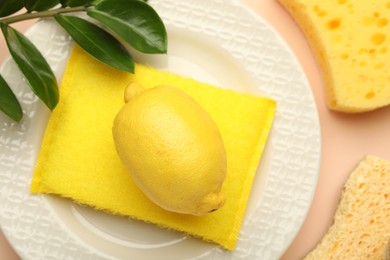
(39, 5)
(133, 21)
(72, 3)
(9, 104)
(97, 42)
(8, 7)
(33, 66)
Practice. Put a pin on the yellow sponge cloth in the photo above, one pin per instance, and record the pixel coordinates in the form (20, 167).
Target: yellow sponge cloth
(78, 159)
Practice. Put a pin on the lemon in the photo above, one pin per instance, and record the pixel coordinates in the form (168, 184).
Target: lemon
(172, 148)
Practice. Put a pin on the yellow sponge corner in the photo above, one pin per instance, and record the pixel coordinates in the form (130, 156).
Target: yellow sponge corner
(78, 159)
(350, 40)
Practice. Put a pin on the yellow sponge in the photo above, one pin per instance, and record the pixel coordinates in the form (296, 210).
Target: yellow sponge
(78, 159)
(351, 41)
(361, 227)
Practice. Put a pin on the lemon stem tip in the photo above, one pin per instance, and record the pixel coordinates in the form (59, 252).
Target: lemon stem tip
(132, 90)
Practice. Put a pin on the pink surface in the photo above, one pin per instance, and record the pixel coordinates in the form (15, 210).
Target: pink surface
(346, 139)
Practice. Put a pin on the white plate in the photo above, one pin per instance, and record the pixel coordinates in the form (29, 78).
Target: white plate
(217, 41)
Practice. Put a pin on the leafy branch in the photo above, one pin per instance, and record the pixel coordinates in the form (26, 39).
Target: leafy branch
(42, 14)
(126, 22)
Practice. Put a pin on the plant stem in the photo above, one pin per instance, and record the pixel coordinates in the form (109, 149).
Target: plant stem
(48, 13)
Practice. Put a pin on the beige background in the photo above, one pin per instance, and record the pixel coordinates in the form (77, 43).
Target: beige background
(346, 139)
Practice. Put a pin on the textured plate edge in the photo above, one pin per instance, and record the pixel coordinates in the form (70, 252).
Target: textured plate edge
(316, 115)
